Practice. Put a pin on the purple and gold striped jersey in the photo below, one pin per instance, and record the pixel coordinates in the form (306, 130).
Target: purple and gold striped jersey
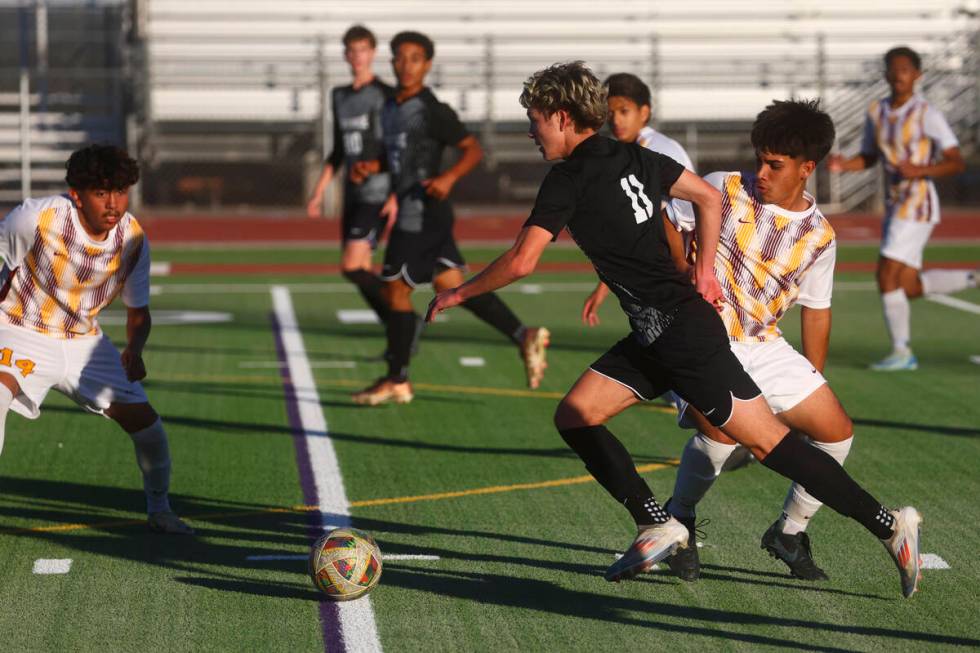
(913, 133)
(56, 279)
(768, 259)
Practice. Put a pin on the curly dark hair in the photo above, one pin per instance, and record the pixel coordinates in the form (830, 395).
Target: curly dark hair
(903, 51)
(796, 128)
(418, 39)
(105, 167)
(628, 86)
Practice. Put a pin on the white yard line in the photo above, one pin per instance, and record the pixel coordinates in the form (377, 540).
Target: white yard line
(159, 269)
(933, 561)
(472, 361)
(45, 566)
(954, 302)
(359, 630)
(357, 316)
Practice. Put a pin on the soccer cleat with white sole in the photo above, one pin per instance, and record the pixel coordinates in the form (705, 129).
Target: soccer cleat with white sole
(653, 543)
(897, 361)
(383, 391)
(168, 522)
(533, 351)
(903, 546)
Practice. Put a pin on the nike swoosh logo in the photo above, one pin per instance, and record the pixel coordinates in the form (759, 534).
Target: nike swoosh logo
(708, 412)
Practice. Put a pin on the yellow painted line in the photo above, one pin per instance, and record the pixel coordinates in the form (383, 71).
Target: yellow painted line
(439, 496)
(431, 387)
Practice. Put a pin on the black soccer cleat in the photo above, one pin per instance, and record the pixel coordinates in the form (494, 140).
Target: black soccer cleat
(795, 551)
(685, 562)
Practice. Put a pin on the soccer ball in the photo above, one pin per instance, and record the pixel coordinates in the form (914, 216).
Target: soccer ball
(345, 564)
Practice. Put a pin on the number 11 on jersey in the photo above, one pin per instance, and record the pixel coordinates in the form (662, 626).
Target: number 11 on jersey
(645, 212)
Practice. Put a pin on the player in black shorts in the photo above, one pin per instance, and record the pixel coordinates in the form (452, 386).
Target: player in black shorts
(608, 195)
(357, 137)
(417, 129)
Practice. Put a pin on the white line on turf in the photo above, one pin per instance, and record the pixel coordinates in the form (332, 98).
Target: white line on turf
(389, 557)
(954, 302)
(933, 561)
(357, 316)
(46, 566)
(359, 630)
(159, 269)
(472, 361)
(975, 360)
(344, 365)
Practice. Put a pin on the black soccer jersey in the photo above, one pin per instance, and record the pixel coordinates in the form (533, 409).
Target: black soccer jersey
(416, 133)
(608, 195)
(357, 136)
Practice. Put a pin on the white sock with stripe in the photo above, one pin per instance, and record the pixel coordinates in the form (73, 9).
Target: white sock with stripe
(897, 318)
(800, 507)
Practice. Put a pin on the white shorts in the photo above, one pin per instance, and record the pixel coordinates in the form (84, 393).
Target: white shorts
(85, 369)
(783, 374)
(904, 240)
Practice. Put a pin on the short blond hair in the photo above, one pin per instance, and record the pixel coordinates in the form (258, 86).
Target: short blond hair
(569, 87)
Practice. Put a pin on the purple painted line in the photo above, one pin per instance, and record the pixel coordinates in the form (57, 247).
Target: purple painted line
(329, 613)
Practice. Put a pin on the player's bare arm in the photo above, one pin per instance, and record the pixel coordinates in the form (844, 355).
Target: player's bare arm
(838, 163)
(707, 204)
(361, 170)
(951, 164)
(815, 335)
(315, 203)
(517, 262)
(471, 152)
(138, 323)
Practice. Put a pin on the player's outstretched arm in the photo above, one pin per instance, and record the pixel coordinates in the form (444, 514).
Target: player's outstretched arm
(707, 205)
(839, 163)
(815, 335)
(516, 263)
(951, 164)
(314, 205)
(138, 325)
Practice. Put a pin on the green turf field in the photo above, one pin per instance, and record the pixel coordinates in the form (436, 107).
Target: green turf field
(521, 539)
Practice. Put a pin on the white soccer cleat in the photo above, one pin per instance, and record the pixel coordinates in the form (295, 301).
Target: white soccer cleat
(897, 361)
(168, 522)
(653, 543)
(903, 546)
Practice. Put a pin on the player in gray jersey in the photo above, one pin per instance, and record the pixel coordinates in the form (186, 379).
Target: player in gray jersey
(357, 137)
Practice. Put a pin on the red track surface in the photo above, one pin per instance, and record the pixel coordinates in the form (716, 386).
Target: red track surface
(176, 228)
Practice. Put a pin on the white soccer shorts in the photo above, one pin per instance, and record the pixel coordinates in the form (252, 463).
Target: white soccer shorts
(904, 240)
(783, 374)
(85, 369)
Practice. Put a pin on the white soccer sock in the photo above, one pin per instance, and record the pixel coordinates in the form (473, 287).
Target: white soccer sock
(6, 398)
(153, 458)
(800, 506)
(701, 464)
(944, 282)
(897, 318)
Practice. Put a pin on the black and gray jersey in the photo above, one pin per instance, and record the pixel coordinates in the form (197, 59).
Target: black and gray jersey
(416, 133)
(608, 195)
(357, 136)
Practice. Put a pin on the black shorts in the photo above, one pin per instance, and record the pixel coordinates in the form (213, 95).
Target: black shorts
(416, 257)
(362, 221)
(692, 357)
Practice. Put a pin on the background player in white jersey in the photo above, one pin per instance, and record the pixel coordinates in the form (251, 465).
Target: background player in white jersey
(907, 133)
(629, 121)
(776, 250)
(65, 258)
(356, 111)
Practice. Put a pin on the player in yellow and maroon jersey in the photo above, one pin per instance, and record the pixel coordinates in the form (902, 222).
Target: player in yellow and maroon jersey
(915, 144)
(65, 258)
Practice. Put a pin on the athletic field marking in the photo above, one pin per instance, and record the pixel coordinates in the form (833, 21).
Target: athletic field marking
(300, 508)
(357, 316)
(530, 288)
(472, 361)
(358, 631)
(159, 269)
(170, 318)
(385, 557)
(954, 302)
(975, 360)
(343, 365)
(45, 566)
(933, 561)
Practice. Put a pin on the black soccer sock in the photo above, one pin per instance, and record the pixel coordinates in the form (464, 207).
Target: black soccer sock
(370, 286)
(494, 312)
(826, 480)
(401, 332)
(611, 464)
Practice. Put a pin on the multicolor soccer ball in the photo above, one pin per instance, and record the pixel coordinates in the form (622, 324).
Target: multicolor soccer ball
(345, 564)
